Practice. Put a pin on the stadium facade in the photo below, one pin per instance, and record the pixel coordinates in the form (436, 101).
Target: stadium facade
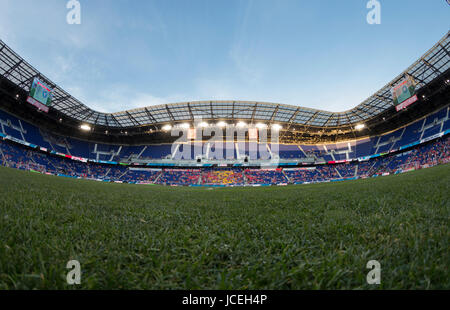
(265, 144)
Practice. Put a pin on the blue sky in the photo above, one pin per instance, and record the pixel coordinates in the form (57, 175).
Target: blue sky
(128, 54)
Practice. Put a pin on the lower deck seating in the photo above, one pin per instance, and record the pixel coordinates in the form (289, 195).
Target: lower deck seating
(222, 177)
(179, 177)
(25, 158)
(265, 177)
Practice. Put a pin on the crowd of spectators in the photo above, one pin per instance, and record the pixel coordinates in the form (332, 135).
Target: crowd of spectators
(20, 157)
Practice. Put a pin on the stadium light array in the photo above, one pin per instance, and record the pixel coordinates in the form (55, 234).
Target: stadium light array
(166, 127)
(221, 124)
(85, 127)
(360, 126)
(276, 127)
(241, 124)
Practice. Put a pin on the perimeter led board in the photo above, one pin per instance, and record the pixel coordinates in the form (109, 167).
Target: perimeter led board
(40, 95)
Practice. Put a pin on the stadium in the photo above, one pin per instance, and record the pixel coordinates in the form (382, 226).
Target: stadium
(225, 194)
(190, 144)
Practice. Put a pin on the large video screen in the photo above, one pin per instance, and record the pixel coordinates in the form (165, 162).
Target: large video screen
(404, 94)
(40, 95)
(403, 91)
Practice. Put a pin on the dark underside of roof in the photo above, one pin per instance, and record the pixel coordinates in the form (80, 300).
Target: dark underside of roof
(434, 96)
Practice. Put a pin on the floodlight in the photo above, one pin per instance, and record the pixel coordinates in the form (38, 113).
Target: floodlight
(85, 127)
(360, 127)
(166, 127)
(276, 127)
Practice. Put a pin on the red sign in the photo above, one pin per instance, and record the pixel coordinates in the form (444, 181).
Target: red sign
(37, 104)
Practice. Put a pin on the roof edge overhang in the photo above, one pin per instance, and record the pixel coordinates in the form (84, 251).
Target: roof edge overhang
(431, 65)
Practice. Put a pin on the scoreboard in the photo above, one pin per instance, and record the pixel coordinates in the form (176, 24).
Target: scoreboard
(404, 94)
(40, 95)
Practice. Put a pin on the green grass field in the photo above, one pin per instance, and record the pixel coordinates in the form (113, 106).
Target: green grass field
(297, 237)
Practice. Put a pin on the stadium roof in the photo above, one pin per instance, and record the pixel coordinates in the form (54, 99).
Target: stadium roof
(435, 62)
